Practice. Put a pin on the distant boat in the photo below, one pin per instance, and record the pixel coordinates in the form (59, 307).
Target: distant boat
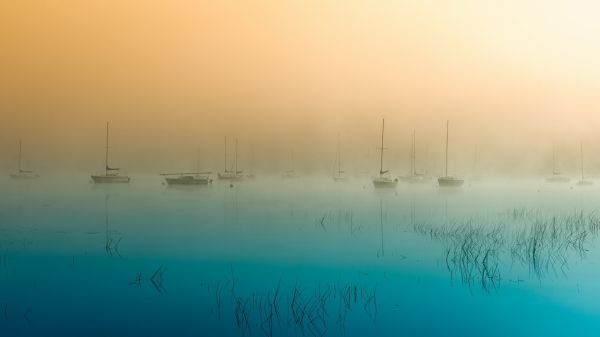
(339, 176)
(23, 174)
(583, 181)
(197, 178)
(556, 176)
(189, 178)
(384, 180)
(251, 176)
(449, 181)
(233, 174)
(111, 174)
(414, 176)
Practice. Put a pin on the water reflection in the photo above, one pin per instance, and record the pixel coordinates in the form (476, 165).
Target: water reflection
(112, 238)
(308, 258)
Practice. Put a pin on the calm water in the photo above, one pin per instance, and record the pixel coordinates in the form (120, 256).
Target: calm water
(303, 257)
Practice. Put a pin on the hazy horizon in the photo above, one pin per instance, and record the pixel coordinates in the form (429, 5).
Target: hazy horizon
(514, 79)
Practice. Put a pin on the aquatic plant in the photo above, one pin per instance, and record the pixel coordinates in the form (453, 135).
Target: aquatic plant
(476, 251)
(303, 309)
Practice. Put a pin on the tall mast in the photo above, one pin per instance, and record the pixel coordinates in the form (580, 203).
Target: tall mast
(413, 155)
(236, 155)
(447, 127)
(339, 156)
(106, 154)
(20, 155)
(381, 149)
(225, 154)
(198, 160)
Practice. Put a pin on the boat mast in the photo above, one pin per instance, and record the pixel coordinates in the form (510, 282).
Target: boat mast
(339, 157)
(236, 156)
(199, 159)
(225, 154)
(413, 155)
(20, 156)
(447, 127)
(381, 148)
(106, 153)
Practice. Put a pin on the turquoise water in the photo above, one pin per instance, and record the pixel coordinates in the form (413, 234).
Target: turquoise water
(302, 257)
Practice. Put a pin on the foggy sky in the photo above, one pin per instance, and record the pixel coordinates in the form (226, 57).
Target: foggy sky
(515, 78)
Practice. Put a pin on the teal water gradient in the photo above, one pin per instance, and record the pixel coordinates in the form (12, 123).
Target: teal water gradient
(308, 257)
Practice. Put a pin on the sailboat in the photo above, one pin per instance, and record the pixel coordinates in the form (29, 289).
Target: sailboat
(23, 174)
(235, 174)
(384, 180)
(189, 178)
(446, 180)
(111, 174)
(251, 176)
(193, 178)
(583, 181)
(291, 173)
(414, 176)
(339, 176)
(556, 176)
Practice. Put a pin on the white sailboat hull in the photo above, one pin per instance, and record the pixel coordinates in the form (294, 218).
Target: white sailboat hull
(450, 181)
(385, 183)
(24, 176)
(188, 180)
(110, 179)
(230, 176)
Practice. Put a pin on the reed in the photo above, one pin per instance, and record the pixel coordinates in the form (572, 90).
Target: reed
(475, 251)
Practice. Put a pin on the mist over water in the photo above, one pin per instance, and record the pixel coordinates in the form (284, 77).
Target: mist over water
(300, 227)
(284, 257)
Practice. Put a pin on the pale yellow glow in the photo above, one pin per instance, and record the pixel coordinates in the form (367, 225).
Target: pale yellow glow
(176, 76)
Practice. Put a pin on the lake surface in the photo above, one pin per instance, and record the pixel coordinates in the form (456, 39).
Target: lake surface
(297, 257)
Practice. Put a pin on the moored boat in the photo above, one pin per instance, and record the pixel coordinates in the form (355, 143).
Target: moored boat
(200, 178)
(111, 174)
(384, 180)
(447, 180)
(231, 174)
(23, 174)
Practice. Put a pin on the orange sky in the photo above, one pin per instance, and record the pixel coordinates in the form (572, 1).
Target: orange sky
(174, 77)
